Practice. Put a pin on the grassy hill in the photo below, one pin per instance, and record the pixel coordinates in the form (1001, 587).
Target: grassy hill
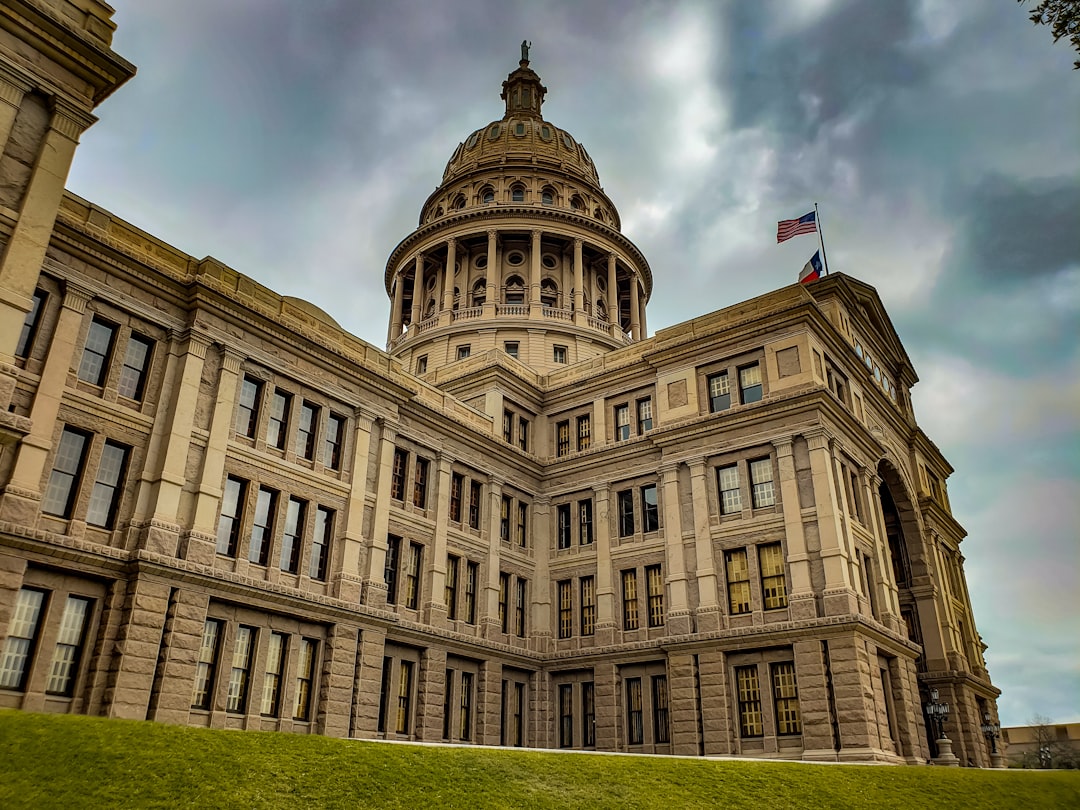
(73, 762)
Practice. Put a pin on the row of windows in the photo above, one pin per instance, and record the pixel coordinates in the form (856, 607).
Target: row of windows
(514, 519)
(405, 571)
(515, 587)
(785, 700)
(762, 489)
(520, 436)
(719, 386)
(266, 516)
(465, 607)
(576, 433)
(587, 617)
(398, 478)
(770, 557)
(654, 597)
(643, 501)
(464, 351)
(306, 423)
(566, 524)
(24, 634)
(586, 705)
(73, 453)
(635, 719)
(275, 658)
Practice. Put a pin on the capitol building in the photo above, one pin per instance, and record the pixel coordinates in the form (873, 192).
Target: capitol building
(525, 521)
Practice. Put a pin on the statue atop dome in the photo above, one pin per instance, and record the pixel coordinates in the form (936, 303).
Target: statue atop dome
(525, 45)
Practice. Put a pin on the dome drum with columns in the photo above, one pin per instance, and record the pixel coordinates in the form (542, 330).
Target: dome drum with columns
(518, 249)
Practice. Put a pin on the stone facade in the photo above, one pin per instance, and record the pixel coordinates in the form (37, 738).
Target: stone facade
(526, 523)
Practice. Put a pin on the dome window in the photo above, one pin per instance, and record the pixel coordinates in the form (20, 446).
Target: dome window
(517, 194)
(494, 132)
(459, 201)
(568, 142)
(481, 261)
(515, 290)
(549, 261)
(598, 214)
(519, 129)
(487, 195)
(549, 293)
(547, 197)
(545, 133)
(479, 292)
(577, 203)
(515, 258)
(469, 144)
(438, 212)
(601, 284)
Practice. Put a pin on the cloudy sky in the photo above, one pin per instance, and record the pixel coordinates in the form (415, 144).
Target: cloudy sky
(296, 141)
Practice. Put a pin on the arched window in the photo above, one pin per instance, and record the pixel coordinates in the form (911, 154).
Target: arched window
(487, 195)
(599, 214)
(430, 311)
(515, 290)
(577, 203)
(549, 293)
(479, 292)
(459, 201)
(438, 212)
(547, 196)
(517, 194)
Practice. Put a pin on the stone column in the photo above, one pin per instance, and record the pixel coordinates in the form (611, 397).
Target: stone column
(365, 709)
(491, 273)
(709, 615)
(579, 285)
(200, 543)
(21, 260)
(839, 597)
(815, 709)
(22, 495)
(336, 680)
(679, 618)
(396, 311)
(719, 719)
(605, 589)
(11, 96)
(165, 470)
(612, 298)
(489, 614)
(534, 277)
(683, 702)
(374, 592)
(135, 661)
(179, 656)
(435, 609)
(802, 603)
(448, 282)
(635, 308)
(855, 704)
(347, 573)
(429, 694)
(540, 592)
(488, 703)
(417, 291)
(641, 317)
(608, 707)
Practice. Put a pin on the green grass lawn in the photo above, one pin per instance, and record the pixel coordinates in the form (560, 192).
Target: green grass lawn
(70, 761)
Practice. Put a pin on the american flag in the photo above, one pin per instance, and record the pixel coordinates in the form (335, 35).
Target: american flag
(793, 227)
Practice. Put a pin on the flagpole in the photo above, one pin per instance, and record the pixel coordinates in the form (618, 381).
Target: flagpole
(821, 238)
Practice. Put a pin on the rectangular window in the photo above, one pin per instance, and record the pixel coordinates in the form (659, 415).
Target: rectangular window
(465, 707)
(585, 524)
(472, 578)
(412, 576)
(31, 324)
(626, 513)
(474, 504)
(21, 642)
(504, 607)
(132, 383)
(450, 597)
(105, 496)
(635, 727)
(384, 694)
(588, 606)
(232, 515)
(404, 698)
(584, 433)
(750, 383)
(397, 475)
(334, 442)
(320, 543)
(566, 608)
(644, 415)
(562, 439)
(738, 580)
(69, 644)
(240, 676)
(247, 414)
(761, 483)
(660, 708)
(727, 479)
(305, 431)
(206, 669)
(305, 678)
(275, 668)
(588, 712)
(629, 600)
(390, 568)
(786, 697)
(421, 364)
(523, 434)
(559, 354)
(262, 526)
(508, 426)
(650, 511)
(566, 715)
(519, 607)
(522, 524)
(746, 681)
(773, 586)
(278, 419)
(504, 518)
(66, 474)
(519, 715)
(463, 352)
(562, 519)
(292, 537)
(420, 483)
(511, 348)
(622, 422)
(719, 392)
(457, 484)
(94, 366)
(654, 580)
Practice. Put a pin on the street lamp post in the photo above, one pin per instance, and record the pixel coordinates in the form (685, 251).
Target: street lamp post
(992, 731)
(937, 711)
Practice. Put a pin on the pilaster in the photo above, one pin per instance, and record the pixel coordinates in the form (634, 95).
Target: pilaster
(605, 591)
(709, 615)
(802, 603)
(839, 597)
(374, 590)
(348, 575)
(336, 680)
(435, 609)
(679, 619)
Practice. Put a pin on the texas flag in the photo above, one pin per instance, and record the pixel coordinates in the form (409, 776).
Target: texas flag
(812, 270)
